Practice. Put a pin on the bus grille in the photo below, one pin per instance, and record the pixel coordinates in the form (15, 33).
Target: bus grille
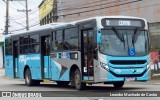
(127, 62)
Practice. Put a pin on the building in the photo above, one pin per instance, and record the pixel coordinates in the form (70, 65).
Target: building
(47, 11)
(1, 50)
(71, 10)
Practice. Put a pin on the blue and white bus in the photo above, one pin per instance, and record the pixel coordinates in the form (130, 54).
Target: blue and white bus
(105, 49)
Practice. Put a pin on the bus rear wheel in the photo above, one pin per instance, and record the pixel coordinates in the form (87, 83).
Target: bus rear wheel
(79, 85)
(118, 84)
(28, 79)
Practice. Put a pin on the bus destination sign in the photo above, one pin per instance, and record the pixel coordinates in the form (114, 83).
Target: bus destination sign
(123, 22)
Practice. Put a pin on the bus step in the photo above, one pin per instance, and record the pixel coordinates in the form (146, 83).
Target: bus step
(46, 80)
(89, 81)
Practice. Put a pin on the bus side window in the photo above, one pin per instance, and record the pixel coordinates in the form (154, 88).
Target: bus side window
(58, 40)
(70, 39)
(54, 48)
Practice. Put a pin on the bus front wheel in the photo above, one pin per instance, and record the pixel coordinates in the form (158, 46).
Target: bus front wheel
(28, 79)
(118, 84)
(79, 85)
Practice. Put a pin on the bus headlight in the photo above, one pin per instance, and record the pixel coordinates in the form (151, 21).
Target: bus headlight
(148, 66)
(105, 66)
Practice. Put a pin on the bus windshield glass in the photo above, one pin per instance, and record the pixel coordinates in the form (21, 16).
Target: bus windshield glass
(119, 42)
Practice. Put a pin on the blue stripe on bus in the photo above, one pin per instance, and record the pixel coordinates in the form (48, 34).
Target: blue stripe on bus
(85, 78)
(9, 66)
(65, 76)
(56, 71)
(46, 66)
(17, 68)
(34, 63)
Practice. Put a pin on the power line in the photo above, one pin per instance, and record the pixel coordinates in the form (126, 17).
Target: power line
(82, 6)
(10, 6)
(108, 3)
(21, 3)
(33, 25)
(114, 11)
(17, 22)
(48, 2)
(99, 5)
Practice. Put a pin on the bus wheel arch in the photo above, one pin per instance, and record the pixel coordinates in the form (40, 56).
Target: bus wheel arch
(76, 78)
(28, 77)
(71, 75)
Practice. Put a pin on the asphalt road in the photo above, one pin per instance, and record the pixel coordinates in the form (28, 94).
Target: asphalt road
(94, 92)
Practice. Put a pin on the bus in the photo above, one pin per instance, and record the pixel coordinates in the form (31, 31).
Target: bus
(103, 49)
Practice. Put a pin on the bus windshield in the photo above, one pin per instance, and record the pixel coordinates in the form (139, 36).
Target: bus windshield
(118, 42)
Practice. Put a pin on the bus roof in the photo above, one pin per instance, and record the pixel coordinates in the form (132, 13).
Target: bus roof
(59, 25)
(43, 27)
(101, 17)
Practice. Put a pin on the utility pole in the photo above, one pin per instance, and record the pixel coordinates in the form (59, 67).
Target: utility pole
(26, 10)
(7, 16)
(27, 22)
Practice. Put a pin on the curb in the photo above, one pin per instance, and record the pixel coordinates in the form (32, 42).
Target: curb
(156, 83)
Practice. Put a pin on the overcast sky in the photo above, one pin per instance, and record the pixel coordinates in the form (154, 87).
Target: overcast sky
(17, 20)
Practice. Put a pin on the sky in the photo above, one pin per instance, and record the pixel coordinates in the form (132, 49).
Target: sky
(17, 20)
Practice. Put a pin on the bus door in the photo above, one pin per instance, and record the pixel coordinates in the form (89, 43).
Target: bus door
(15, 59)
(45, 59)
(87, 54)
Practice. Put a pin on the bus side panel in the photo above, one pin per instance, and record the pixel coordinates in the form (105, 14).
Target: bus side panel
(46, 67)
(54, 70)
(59, 72)
(62, 62)
(17, 68)
(33, 62)
(9, 70)
(100, 74)
(65, 75)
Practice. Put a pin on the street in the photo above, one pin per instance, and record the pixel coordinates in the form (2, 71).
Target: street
(93, 92)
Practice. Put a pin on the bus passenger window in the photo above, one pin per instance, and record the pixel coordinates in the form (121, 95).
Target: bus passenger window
(58, 40)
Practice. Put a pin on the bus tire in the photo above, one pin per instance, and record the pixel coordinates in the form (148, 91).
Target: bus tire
(62, 83)
(72, 79)
(79, 85)
(28, 79)
(118, 84)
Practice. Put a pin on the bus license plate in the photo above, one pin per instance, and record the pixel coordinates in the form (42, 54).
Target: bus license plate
(130, 79)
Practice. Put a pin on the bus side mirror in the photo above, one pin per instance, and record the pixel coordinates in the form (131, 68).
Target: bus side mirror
(99, 38)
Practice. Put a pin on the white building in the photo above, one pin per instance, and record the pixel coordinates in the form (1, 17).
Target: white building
(1, 49)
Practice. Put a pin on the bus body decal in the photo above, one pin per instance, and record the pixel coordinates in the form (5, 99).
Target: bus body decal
(59, 72)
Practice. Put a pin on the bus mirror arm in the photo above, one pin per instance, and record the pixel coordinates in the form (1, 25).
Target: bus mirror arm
(99, 38)
(96, 49)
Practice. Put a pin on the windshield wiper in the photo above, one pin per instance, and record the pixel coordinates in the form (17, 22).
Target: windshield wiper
(134, 36)
(118, 34)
